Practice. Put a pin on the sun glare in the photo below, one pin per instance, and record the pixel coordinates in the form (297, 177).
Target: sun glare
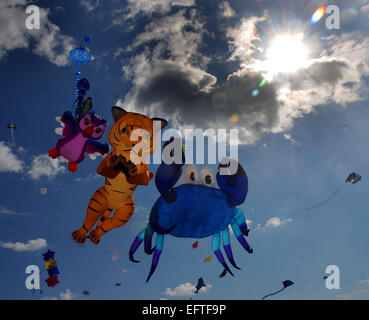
(286, 54)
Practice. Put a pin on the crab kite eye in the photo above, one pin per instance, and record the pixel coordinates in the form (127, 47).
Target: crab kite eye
(192, 174)
(207, 177)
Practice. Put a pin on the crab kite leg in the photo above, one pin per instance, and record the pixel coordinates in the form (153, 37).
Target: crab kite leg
(159, 242)
(148, 238)
(241, 221)
(135, 245)
(237, 232)
(216, 248)
(227, 247)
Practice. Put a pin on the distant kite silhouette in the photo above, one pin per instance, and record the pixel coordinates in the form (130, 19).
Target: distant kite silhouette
(286, 284)
(12, 126)
(200, 284)
(353, 178)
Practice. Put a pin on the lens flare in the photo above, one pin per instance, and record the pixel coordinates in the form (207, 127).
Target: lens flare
(318, 14)
(235, 118)
(255, 93)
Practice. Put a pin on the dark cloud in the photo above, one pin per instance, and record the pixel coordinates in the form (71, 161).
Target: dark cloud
(329, 72)
(174, 61)
(193, 98)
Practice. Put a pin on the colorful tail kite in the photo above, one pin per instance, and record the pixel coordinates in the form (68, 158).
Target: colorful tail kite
(286, 284)
(51, 268)
(80, 56)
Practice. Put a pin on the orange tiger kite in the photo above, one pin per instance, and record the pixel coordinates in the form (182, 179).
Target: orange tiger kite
(122, 176)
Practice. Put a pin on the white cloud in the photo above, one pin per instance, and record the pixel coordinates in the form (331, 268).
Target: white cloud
(46, 42)
(244, 40)
(277, 222)
(364, 6)
(90, 5)
(288, 137)
(91, 177)
(6, 212)
(31, 245)
(185, 290)
(168, 36)
(43, 165)
(171, 80)
(147, 7)
(8, 160)
(68, 295)
(226, 9)
(357, 291)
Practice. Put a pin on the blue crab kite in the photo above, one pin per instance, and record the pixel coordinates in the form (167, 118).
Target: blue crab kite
(196, 209)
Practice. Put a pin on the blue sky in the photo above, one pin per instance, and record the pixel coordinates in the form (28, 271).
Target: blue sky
(196, 64)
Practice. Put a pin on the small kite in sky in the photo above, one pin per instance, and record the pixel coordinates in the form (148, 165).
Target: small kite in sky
(80, 56)
(53, 271)
(118, 284)
(195, 245)
(207, 259)
(50, 264)
(51, 267)
(86, 292)
(353, 178)
(52, 281)
(80, 137)
(48, 255)
(286, 284)
(200, 284)
(12, 126)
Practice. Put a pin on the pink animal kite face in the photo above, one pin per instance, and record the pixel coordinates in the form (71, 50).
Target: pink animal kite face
(92, 126)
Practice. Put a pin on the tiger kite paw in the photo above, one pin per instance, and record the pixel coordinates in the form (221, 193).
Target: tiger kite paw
(118, 162)
(79, 235)
(131, 169)
(95, 235)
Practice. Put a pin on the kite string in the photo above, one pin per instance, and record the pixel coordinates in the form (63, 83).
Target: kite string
(273, 293)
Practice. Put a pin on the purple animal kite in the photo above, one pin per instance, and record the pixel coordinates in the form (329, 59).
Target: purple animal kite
(80, 137)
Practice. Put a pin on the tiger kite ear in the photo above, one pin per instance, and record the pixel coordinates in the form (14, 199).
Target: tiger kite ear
(118, 112)
(163, 123)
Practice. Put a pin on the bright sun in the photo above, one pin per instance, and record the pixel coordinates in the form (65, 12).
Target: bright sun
(286, 54)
